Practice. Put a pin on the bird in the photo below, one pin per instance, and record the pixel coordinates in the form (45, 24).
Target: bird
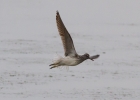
(71, 57)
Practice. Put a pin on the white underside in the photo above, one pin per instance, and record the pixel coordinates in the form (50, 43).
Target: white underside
(66, 61)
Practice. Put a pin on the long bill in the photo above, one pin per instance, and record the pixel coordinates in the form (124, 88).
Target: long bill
(94, 57)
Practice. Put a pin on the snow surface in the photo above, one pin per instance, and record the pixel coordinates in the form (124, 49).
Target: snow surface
(29, 40)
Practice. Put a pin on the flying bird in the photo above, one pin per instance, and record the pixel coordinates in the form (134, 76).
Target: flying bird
(71, 57)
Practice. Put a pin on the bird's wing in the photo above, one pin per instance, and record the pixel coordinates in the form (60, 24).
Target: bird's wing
(65, 37)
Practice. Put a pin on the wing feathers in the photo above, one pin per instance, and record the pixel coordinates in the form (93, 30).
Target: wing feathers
(65, 37)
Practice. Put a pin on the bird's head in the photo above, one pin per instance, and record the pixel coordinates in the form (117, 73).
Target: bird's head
(87, 56)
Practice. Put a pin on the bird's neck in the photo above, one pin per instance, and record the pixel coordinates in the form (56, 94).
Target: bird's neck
(83, 57)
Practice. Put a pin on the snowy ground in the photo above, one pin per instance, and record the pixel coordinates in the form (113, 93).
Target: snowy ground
(29, 40)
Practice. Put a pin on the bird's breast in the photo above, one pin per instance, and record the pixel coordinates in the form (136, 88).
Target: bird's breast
(69, 61)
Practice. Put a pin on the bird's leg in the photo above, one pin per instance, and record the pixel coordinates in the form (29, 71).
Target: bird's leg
(54, 66)
(51, 64)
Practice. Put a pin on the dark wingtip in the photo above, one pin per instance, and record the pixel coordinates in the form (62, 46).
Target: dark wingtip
(57, 12)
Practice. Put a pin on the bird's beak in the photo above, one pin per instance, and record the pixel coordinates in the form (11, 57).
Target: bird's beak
(94, 57)
(91, 59)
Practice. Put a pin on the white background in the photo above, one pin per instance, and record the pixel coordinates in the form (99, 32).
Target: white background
(29, 40)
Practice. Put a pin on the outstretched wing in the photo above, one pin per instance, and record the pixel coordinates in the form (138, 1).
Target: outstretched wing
(65, 37)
